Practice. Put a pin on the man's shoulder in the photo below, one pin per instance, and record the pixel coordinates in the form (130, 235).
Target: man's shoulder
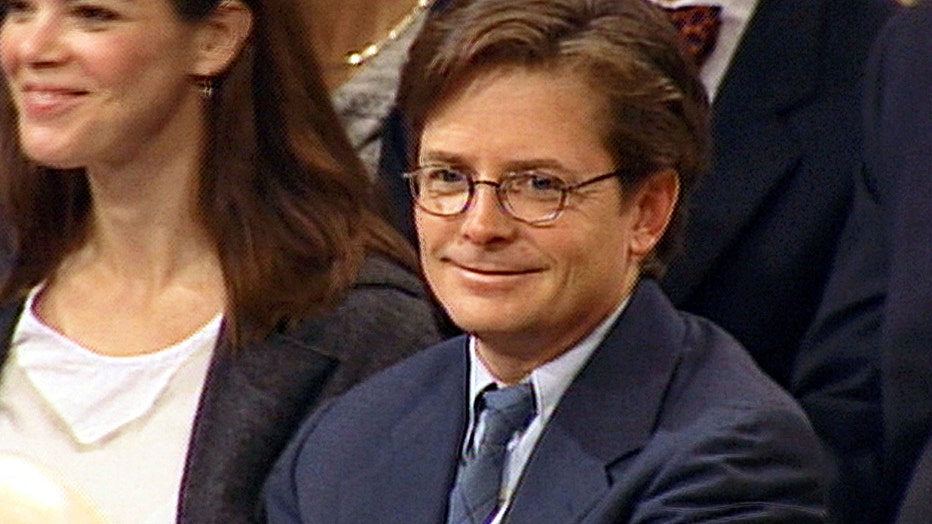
(716, 370)
(710, 368)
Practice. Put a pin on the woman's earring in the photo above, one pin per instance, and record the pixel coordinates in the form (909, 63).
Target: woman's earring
(207, 87)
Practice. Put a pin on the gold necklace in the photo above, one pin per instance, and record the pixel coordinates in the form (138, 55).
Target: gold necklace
(358, 58)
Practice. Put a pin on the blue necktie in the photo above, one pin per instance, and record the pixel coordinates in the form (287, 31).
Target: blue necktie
(474, 498)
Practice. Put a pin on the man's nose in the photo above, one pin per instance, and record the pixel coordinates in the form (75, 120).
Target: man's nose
(486, 220)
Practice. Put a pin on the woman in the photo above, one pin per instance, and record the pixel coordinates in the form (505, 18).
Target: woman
(196, 260)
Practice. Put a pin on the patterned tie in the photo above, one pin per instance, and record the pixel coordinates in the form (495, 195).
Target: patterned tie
(698, 26)
(475, 496)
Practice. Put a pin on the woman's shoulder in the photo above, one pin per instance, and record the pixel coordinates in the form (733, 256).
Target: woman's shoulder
(379, 272)
(385, 317)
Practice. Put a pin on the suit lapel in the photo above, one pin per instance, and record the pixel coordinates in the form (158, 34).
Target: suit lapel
(412, 484)
(774, 70)
(252, 398)
(606, 414)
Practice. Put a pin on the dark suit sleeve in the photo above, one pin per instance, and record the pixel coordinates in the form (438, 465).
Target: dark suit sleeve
(837, 374)
(740, 464)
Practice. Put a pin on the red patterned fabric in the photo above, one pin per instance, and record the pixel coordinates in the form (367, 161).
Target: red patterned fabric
(698, 26)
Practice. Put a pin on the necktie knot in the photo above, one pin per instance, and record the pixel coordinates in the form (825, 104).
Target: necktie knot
(503, 412)
(698, 26)
(506, 411)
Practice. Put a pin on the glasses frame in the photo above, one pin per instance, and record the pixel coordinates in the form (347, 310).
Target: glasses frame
(565, 192)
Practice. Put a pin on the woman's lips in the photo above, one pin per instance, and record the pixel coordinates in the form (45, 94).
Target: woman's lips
(40, 102)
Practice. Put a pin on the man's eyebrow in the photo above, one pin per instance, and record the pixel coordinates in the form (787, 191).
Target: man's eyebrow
(441, 157)
(530, 164)
(511, 166)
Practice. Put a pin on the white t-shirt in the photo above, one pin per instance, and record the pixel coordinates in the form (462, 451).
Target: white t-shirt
(114, 428)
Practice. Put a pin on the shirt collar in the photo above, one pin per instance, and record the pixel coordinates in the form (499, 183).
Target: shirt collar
(550, 380)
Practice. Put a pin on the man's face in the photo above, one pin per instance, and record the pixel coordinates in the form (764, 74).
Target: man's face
(528, 290)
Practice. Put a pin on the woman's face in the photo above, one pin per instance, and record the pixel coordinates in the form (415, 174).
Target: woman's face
(99, 82)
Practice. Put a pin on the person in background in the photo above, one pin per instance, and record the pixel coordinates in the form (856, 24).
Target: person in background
(196, 259)
(764, 224)
(557, 144)
(868, 357)
(361, 46)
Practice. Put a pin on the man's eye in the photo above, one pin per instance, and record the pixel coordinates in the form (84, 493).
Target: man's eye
(537, 183)
(445, 176)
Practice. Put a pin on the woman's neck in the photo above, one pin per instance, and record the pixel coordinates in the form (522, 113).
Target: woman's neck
(339, 28)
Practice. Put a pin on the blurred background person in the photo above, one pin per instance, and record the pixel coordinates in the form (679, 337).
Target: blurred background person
(869, 356)
(196, 261)
(361, 46)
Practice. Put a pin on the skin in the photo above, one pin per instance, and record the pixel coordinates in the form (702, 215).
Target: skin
(350, 25)
(529, 293)
(111, 86)
(30, 493)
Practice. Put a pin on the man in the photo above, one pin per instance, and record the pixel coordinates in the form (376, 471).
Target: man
(785, 81)
(555, 138)
(874, 327)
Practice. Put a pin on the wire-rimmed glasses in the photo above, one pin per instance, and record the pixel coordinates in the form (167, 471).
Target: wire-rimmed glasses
(532, 197)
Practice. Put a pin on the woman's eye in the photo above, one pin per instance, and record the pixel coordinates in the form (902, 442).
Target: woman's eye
(94, 13)
(13, 7)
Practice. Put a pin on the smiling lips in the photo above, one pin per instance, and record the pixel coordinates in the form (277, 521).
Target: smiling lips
(39, 101)
(492, 269)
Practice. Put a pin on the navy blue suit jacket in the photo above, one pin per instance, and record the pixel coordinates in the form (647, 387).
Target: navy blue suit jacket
(670, 421)
(764, 223)
(873, 337)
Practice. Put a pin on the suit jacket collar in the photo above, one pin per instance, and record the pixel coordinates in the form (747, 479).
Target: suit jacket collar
(777, 62)
(775, 69)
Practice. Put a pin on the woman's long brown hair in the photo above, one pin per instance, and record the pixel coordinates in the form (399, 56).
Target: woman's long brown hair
(282, 194)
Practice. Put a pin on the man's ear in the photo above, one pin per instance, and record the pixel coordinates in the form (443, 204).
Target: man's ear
(221, 36)
(654, 203)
